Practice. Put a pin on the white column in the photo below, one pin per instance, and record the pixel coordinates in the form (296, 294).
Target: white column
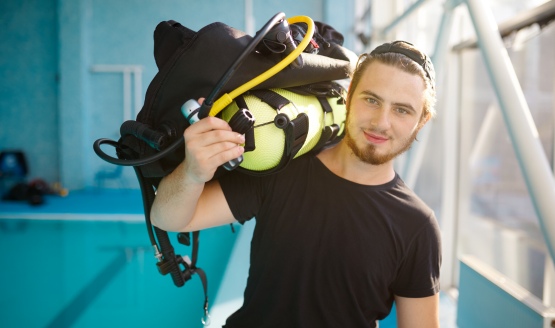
(522, 130)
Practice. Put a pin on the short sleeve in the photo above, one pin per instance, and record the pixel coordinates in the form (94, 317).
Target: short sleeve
(418, 274)
(244, 194)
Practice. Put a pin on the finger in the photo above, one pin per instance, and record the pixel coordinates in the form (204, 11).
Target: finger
(207, 124)
(211, 131)
(208, 138)
(205, 150)
(212, 142)
(204, 162)
(220, 153)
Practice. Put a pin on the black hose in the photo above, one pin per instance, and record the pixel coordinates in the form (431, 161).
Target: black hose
(169, 259)
(156, 139)
(209, 101)
(148, 195)
(133, 162)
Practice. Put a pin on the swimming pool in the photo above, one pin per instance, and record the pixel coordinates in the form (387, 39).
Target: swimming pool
(85, 260)
(93, 266)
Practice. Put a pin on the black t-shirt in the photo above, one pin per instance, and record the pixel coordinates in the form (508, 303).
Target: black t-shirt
(328, 252)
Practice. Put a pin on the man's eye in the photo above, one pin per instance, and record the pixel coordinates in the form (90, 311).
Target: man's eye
(372, 101)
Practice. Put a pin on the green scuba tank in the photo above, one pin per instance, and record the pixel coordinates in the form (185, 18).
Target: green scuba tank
(287, 125)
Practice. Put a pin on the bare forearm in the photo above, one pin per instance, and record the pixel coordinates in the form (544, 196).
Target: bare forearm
(187, 199)
(418, 312)
(176, 201)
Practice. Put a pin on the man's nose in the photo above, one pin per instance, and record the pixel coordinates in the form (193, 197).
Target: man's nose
(382, 118)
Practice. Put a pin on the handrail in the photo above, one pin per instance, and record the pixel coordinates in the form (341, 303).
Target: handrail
(542, 15)
(386, 29)
(532, 159)
(520, 124)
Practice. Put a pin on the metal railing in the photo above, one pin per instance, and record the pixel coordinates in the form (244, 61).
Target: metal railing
(532, 159)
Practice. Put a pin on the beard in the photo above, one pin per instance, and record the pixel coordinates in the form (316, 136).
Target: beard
(368, 154)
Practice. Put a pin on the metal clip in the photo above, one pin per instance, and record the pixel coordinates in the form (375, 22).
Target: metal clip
(206, 318)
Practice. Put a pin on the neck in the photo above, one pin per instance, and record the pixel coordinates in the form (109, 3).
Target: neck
(342, 162)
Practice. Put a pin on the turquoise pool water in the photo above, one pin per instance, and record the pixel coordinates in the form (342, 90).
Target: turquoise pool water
(85, 261)
(97, 273)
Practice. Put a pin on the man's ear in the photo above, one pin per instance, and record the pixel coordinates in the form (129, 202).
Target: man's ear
(424, 119)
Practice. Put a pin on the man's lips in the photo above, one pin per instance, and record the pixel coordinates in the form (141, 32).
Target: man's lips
(375, 138)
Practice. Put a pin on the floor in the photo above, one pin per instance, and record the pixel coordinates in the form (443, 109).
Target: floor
(447, 310)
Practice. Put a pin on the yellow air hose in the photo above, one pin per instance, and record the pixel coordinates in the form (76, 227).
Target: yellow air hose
(227, 98)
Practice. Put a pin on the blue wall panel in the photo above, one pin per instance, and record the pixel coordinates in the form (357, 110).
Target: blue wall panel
(53, 106)
(29, 83)
(484, 303)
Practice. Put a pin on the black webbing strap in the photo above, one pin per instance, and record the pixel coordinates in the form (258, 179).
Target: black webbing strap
(295, 135)
(296, 130)
(329, 132)
(202, 275)
(273, 99)
(250, 144)
(325, 104)
(168, 261)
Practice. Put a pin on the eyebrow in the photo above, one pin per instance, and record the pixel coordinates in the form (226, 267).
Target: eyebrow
(404, 105)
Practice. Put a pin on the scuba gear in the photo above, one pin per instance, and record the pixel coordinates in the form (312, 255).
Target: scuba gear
(153, 144)
(293, 53)
(177, 52)
(241, 122)
(280, 40)
(281, 33)
(288, 125)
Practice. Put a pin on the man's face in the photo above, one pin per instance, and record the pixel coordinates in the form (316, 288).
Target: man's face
(384, 113)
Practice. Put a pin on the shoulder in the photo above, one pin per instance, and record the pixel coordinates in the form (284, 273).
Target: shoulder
(293, 171)
(411, 216)
(408, 201)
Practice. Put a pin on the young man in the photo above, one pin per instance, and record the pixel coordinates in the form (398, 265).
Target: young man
(338, 234)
